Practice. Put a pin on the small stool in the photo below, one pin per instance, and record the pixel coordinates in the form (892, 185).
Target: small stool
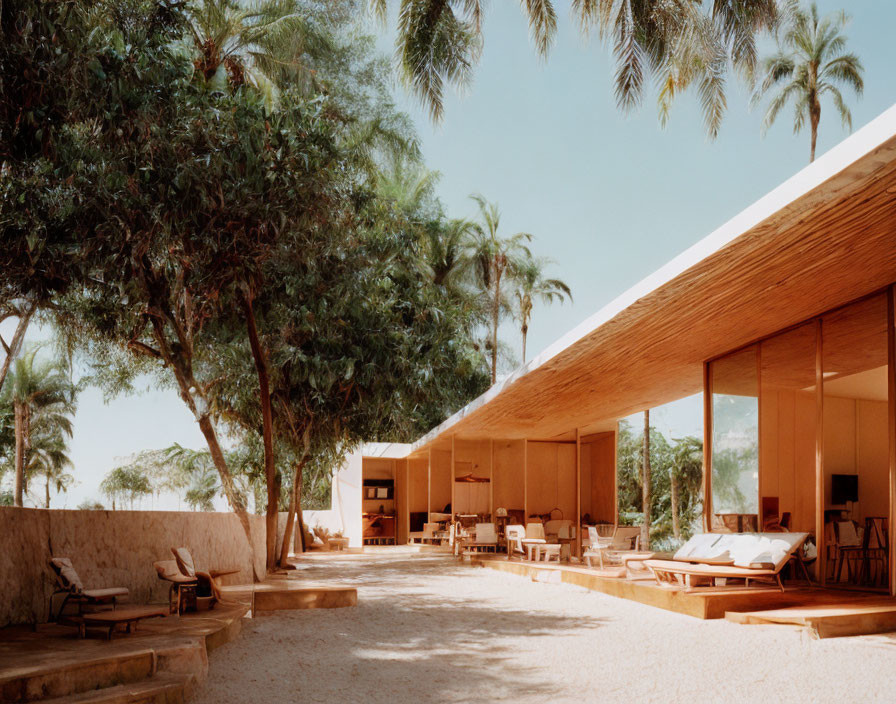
(550, 550)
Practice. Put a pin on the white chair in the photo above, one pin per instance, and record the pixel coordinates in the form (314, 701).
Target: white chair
(515, 534)
(609, 538)
(534, 539)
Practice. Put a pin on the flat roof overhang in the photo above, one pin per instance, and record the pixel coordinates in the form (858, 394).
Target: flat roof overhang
(823, 238)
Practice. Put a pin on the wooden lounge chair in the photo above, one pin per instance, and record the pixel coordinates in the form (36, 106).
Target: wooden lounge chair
(484, 539)
(612, 545)
(69, 583)
(207, 580)
(705, 558)
(168, 571)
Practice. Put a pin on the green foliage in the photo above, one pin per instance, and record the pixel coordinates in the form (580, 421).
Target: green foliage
(127, 483)
(678, 459)
(91, 505)
(677, 45)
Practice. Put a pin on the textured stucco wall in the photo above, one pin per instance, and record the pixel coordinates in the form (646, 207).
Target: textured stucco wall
(114, 548)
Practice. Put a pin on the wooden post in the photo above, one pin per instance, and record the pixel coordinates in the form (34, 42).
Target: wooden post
(707, 447)
(407, 495)
(525, 481)
(453, 482)
(759, 436)
(429, 488)
(821, 561)
(615, 476)
(577, 526)
(491, 479)
(891, 415)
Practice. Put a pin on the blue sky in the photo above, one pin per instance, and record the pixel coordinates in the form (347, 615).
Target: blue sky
(609, 197)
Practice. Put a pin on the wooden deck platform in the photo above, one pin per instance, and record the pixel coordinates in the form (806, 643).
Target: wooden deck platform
(279, 593)
(827, 612)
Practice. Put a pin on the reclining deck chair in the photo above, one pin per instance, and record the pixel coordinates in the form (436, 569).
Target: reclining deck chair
(615, 541)
(711, 556)
(69, 583)
(168, 571)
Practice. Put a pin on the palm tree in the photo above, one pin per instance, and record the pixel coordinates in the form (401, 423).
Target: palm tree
(202, 492)
(811, 62)
(678, 44)
(125, 483)
(36, 388)
(22, 312)
(495, 259)
(263, 43)
(532, 286)
(49, 453)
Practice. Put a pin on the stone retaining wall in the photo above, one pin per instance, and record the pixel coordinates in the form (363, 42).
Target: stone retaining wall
(114, 548)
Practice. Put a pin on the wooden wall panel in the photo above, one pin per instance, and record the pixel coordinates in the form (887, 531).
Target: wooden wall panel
(401, 501)
(587, 450)
(417, 485)
(551, 478)
(440, 491)
(603, 478)
(508, 475)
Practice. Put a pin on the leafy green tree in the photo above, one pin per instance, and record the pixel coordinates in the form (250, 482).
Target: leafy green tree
(48, 456)
(42, 396)
(810, 64)
(22, 312)
(532, 286)
(496, 261)
(126, 483)
(91, 505)
(677, 44)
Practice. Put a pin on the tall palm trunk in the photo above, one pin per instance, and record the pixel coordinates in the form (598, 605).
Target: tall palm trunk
(20, 432)
(525, 331)
(496, 315)
(47, 488)
(645, 484)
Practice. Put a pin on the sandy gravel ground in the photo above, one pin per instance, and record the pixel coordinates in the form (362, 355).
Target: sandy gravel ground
(428, 630)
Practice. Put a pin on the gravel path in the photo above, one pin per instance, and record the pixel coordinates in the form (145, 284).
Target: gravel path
(429, 630)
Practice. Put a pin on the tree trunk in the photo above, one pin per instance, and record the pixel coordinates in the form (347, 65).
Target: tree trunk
(525, 331)
(47, 487)
(16, 343)
(294, 499)
(185, 382)
(270, 470)
(673, 499)
(496, 315)
(300, 519)
(814, 119)
(645, 484)
(19, 490)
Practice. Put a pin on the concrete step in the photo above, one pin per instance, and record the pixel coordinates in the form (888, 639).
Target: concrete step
(59, 678)
(167, 688)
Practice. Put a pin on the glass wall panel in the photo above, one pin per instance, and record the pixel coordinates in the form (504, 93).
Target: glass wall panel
(856, 441)
(735, 441)
(788, 430)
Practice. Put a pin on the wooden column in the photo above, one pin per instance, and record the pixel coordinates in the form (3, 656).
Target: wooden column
(407, 495)
(453, 483)
(525, 481)
(821, 562)
(615, 475)
(429, 488)
(707, 447)
(578, 518)
(491, 479)
(891, 416)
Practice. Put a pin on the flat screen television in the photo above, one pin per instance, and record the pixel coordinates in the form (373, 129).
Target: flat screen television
(844, 487)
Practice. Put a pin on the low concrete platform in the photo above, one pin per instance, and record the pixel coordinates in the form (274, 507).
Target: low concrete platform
(162, 661)
(285, 592)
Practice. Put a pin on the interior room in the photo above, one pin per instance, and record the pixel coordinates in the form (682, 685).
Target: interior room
(378, 501)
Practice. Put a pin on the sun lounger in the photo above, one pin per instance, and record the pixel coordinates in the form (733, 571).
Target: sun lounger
(129, 616)
(708, 557)
(613, 545)
(69, 583)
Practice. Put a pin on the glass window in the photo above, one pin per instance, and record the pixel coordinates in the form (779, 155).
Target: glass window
(788, 430)
(735, 439)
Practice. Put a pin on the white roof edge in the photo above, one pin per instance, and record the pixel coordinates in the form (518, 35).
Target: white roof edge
(387, 450)
(873, 135)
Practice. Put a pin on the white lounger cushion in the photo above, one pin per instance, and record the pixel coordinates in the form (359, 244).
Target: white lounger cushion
(750, 550)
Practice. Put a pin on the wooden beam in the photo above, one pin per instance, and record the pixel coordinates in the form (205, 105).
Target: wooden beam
(891, 430)
(821, 561)
(707, 447)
